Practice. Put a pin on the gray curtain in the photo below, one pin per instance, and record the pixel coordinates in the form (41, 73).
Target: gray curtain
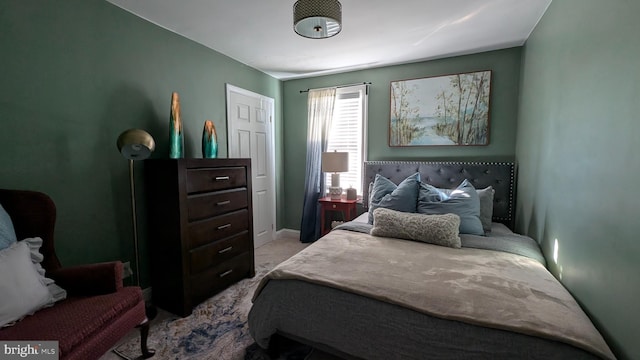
(320, 105)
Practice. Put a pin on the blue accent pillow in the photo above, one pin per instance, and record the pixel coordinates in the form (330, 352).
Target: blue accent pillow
(486, 205)
(386, 194)
(7, 232)
(463, 201)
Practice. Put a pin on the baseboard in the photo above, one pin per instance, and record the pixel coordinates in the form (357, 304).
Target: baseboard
(288, 232)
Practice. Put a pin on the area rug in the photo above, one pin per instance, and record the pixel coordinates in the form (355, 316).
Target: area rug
(216, 330)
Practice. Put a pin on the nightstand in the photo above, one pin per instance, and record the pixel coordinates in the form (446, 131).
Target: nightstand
(346, 207)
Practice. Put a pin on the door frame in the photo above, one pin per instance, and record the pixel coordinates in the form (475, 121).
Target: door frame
(271, 138)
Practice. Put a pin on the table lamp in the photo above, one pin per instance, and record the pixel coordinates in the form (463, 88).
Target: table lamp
(335, 162)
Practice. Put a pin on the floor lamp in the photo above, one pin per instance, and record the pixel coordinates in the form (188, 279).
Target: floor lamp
(135, 144)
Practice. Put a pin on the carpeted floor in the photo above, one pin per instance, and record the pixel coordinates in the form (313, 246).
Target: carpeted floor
(217, 328)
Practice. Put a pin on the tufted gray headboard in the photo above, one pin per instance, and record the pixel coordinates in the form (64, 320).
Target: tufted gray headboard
(449, 174)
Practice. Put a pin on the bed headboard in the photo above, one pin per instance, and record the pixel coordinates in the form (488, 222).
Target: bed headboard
(449, 174)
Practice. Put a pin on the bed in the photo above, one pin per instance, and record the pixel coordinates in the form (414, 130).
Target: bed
(360, 296)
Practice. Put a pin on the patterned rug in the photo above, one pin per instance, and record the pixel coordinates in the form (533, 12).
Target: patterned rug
(216, 330)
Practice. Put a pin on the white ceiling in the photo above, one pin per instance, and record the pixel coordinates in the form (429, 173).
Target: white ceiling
(375, 33)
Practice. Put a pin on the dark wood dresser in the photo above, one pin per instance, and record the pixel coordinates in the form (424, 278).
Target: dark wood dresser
(200, 228)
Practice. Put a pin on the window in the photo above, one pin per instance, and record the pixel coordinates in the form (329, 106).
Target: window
(348, 133)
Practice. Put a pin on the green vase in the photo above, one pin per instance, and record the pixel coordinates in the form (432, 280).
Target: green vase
(176, 136)
(209, 141)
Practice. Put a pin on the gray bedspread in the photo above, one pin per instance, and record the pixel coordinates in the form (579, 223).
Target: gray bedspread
(489, 289)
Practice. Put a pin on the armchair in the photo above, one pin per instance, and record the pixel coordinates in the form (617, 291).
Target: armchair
(98, 310)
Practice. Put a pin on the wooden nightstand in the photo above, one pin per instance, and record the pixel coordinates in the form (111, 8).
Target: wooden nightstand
(346, 207)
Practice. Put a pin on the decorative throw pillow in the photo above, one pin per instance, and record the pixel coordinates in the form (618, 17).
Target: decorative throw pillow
(23, 292)
(56, 291)
(386, 194)
(463, 201)
(486, 204)
(433, 229)
(486, 207)
(7, 232)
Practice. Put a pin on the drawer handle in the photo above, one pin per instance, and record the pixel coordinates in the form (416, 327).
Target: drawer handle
(225, 250)
(226, 273)
(223, 226)
(222, 178)
(226, 202)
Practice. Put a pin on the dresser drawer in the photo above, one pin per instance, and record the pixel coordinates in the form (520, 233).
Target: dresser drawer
(211, 179)
(210, 282)
(211, 204)
(217, 252)
(220, 227)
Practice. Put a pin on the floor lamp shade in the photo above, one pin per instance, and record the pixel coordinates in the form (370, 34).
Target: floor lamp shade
(135, 144)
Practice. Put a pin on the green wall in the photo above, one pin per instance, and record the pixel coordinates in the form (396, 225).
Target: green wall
(75, 74)
(577, 143)
(505, 65)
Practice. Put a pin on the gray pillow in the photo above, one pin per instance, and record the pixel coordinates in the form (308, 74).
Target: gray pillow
(463, 201)
(486, 205)
(433, 229)
(7, 232)
(386, 194)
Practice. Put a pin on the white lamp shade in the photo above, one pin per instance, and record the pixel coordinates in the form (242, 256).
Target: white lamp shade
(135, 144)
(335, 162)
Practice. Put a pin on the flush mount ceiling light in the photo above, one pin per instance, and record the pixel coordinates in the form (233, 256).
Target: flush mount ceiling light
(317, 19)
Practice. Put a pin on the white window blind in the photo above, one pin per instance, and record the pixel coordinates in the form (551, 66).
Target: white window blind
(348, 131)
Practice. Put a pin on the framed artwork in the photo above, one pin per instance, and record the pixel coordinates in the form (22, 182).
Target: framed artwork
(441, 110)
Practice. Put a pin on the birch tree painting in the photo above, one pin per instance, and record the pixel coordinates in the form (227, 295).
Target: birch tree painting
(443, 110)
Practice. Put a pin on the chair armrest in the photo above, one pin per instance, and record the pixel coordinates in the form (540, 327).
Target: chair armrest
(92, 279)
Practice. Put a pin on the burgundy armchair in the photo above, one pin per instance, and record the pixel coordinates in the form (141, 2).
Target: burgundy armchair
(98, 310)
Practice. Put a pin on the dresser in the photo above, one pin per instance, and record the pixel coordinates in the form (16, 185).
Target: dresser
(200, 228)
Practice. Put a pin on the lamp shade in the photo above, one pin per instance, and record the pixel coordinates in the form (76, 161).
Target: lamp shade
(317, 19)
(335, 161)
(135, 144)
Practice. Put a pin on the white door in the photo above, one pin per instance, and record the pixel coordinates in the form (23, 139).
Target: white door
(250, 134)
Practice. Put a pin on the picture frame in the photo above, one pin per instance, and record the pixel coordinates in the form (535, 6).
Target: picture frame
(445, 110)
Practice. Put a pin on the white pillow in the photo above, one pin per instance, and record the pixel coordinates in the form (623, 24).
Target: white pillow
(23, 291)
(56, 291)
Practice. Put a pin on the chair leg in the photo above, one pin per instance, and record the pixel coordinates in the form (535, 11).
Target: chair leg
(144, 334)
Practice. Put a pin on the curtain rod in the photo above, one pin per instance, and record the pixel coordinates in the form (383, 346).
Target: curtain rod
(337, 87)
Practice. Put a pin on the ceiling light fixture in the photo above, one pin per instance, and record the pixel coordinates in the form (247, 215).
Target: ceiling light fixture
(317, 19)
